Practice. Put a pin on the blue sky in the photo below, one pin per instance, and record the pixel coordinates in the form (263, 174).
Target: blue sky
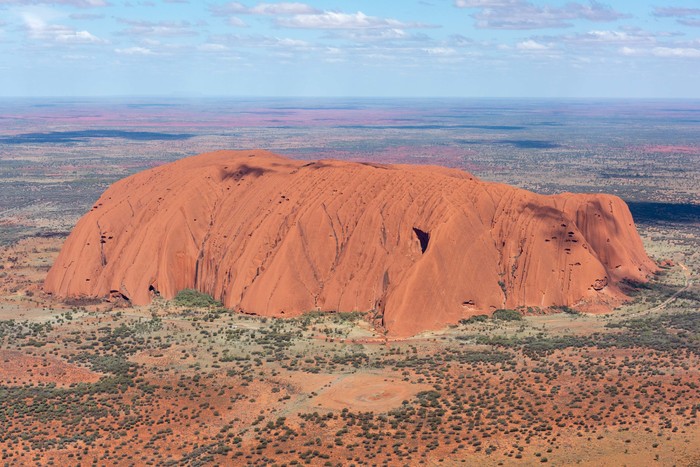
(472, 48)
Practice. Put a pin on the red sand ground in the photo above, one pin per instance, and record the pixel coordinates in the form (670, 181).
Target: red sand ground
(17, 369)
(596, 406)
(367, 392)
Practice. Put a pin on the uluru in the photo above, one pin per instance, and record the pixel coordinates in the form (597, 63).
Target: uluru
(421, 246)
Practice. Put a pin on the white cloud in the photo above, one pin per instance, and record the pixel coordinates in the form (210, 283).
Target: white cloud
(230, 8)
(234, 41)
(531, 45)
(440, 51)
(678, 52)
(286, 42)
(134, 51)
(675, 11)
(662, 52)
(338, 20)
(693, 22)
(460, 40)
(77, 57)
(600, 39)
(269, 9)
(292, 8)
(160, 28)
(209, 47)
(236, 22)
(684, 16)
(37, 27)
(86, 16)
(522, 14)
(83, 37)
(485, 3)
(75, 3)
(357, 27)
(614, 36)
(376, 35)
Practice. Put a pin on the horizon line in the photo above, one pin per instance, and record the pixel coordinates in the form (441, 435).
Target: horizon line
(232, 96)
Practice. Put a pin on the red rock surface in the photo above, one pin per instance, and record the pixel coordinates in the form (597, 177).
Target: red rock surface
(280, 237)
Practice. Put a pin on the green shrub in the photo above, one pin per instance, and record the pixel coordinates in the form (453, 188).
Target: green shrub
(195, 299)
(347, 316)
(502, 285)
(474, 319)
(565, 309)
(507, 315)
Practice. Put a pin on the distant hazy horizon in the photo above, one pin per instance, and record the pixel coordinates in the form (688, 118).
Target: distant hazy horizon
(164, 97)
(157, 99)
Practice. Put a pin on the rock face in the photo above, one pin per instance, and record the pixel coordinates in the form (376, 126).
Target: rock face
(424, 246)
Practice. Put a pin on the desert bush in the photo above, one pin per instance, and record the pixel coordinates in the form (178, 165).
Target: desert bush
(565, 309)
(506, 315)
(195, 299)
(348, 317)
(474, 319)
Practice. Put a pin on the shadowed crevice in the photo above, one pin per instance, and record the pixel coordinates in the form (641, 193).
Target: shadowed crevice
(423, 238)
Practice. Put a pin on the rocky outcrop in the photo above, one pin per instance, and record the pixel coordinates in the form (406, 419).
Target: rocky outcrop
(424, 246)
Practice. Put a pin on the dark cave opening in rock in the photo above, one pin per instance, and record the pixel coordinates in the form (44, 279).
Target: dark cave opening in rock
(423, 238)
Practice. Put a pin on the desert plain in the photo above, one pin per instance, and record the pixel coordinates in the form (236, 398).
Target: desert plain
(188, 381)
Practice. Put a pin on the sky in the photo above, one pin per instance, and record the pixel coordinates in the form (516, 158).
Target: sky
(351, 48)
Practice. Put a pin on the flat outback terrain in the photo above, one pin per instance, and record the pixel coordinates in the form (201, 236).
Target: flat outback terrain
(181, 379)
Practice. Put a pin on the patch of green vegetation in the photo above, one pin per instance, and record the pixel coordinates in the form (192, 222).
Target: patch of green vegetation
(327, 323)
(672, 332)
(347, 317)
(112, 364)
(145, 327)
(429, 398)
(19, 330)
(504, 314)
(687, 321)
(195, 299)
(78, 409)
(690, 295)
(502, 285)
(315, 317)
(655, 289)
(474, 319)
(565, 309)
